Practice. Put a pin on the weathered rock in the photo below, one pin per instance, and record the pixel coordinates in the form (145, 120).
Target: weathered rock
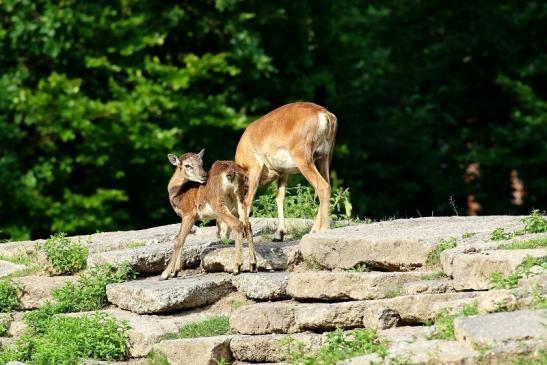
(506, 332)
(406, 333)
(436, 351)
(290, 317)
(153, 259)
(271, 348)
(269, 256)
(473, 270)
(155, 296)
(263, 286)
(35, 290)
(326, 285)
(7, 268)
(436, 286)
(370, 359)
(6, 342)
(17, 326)
(196, 351)
(269, 225)
(395, 245)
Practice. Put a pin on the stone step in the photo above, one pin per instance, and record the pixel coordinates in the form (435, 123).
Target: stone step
(7, 268)
(271, 348)
(504, 333)
(196, 351)
(337, 286)
(400, 244)
(291, 317)
(153, 259)
(262, 286)
(471, 269)
(36, 290)
(269, 256)
(154, 296)
(436, 286)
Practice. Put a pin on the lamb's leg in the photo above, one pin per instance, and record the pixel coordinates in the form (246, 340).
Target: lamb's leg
(228, 218)
(175, 262)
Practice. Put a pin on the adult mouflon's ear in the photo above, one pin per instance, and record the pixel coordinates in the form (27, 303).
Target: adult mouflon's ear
(173, 159)
(200, 154)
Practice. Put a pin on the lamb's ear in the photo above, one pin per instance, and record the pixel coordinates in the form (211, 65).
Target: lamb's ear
(200, 154)
(173, 159)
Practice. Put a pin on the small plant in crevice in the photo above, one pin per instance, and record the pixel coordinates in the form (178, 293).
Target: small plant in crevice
(434, 256)
(360, 267)
(313, 264)
(156, 358)
(444, 322)
(9, 295)
(64, 255)
(531, 266)
(536, 222)
(213, 326)
(528, 244)
(4, 324)
(339, 345)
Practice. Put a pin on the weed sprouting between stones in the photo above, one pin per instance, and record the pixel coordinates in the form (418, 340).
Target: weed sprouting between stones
(444, 322)
(4, 324)
(9, 293)
(361, 267)
(156, 358)
(528, 244)
(339, 345)
(536, 222)
(214, 326)
(65, 255)
(531, 266)
(434, 257)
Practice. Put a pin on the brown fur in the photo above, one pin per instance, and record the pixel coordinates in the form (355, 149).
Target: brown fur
(222, 196)
(294, 129)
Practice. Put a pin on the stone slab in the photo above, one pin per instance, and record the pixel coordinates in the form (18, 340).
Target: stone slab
(196, 351)
(269, 256)
(7, 268)
(271, 348)
(504, 332)
(472, 271)
(395, 245)
(337, 286)
(440, 352)
(291, 317)
(35, 290)
(437, 286)
(155, 296)
(263, 286)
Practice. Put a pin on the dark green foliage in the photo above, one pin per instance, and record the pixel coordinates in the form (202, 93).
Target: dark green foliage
(214, 326)
(65, 255)
(8, 295)
(94, 94)
(68, 340)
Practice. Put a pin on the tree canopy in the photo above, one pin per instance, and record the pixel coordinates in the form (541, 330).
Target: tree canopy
(94, 94)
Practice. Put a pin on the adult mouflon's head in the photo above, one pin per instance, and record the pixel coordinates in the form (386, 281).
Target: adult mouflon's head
(189, 166)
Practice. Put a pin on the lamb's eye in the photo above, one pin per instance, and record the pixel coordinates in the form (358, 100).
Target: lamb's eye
(189, 167)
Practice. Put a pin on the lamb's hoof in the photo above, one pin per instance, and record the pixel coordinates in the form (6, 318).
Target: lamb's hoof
(236, 270)
(162, 278)
(253, 267)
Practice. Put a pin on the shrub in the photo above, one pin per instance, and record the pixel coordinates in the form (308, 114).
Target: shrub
(536, 222)
(339, 345)
(8, 296)
(67, 340)
(65, 255)
(214, 326)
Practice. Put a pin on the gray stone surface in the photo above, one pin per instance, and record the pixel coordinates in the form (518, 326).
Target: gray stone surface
(508, 332)
(473, 270)
(440, 352)
(263, 286)
(155, 296)
(196, 351)
(271, 348)
(291, 317)
(35, 290)
(395, 245)
(406, 333)
(269, 256)
(341, 285)
(7, 268)
(436, 286)
(153, 259)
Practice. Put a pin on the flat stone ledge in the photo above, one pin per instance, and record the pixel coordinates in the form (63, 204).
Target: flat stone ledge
(7, 268)
(155, 296)
(271, 348)
(36, 290)
(263, 286)
(269, 256)
(437, 286)
(196, 351)
(400, 244)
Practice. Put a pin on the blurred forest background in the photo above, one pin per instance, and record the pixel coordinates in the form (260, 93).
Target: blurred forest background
(436, 101)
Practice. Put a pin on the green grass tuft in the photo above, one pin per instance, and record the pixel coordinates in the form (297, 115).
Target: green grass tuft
(156, 358)
(361, 267)
(536, 222)
(532, 243)
(524, 270)
(9, 295)
(339, 345)
(434, 257)
(444, 322)
(214, 326)
(65, 255)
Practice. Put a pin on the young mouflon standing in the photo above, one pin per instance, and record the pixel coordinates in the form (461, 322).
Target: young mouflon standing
(219, 195)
